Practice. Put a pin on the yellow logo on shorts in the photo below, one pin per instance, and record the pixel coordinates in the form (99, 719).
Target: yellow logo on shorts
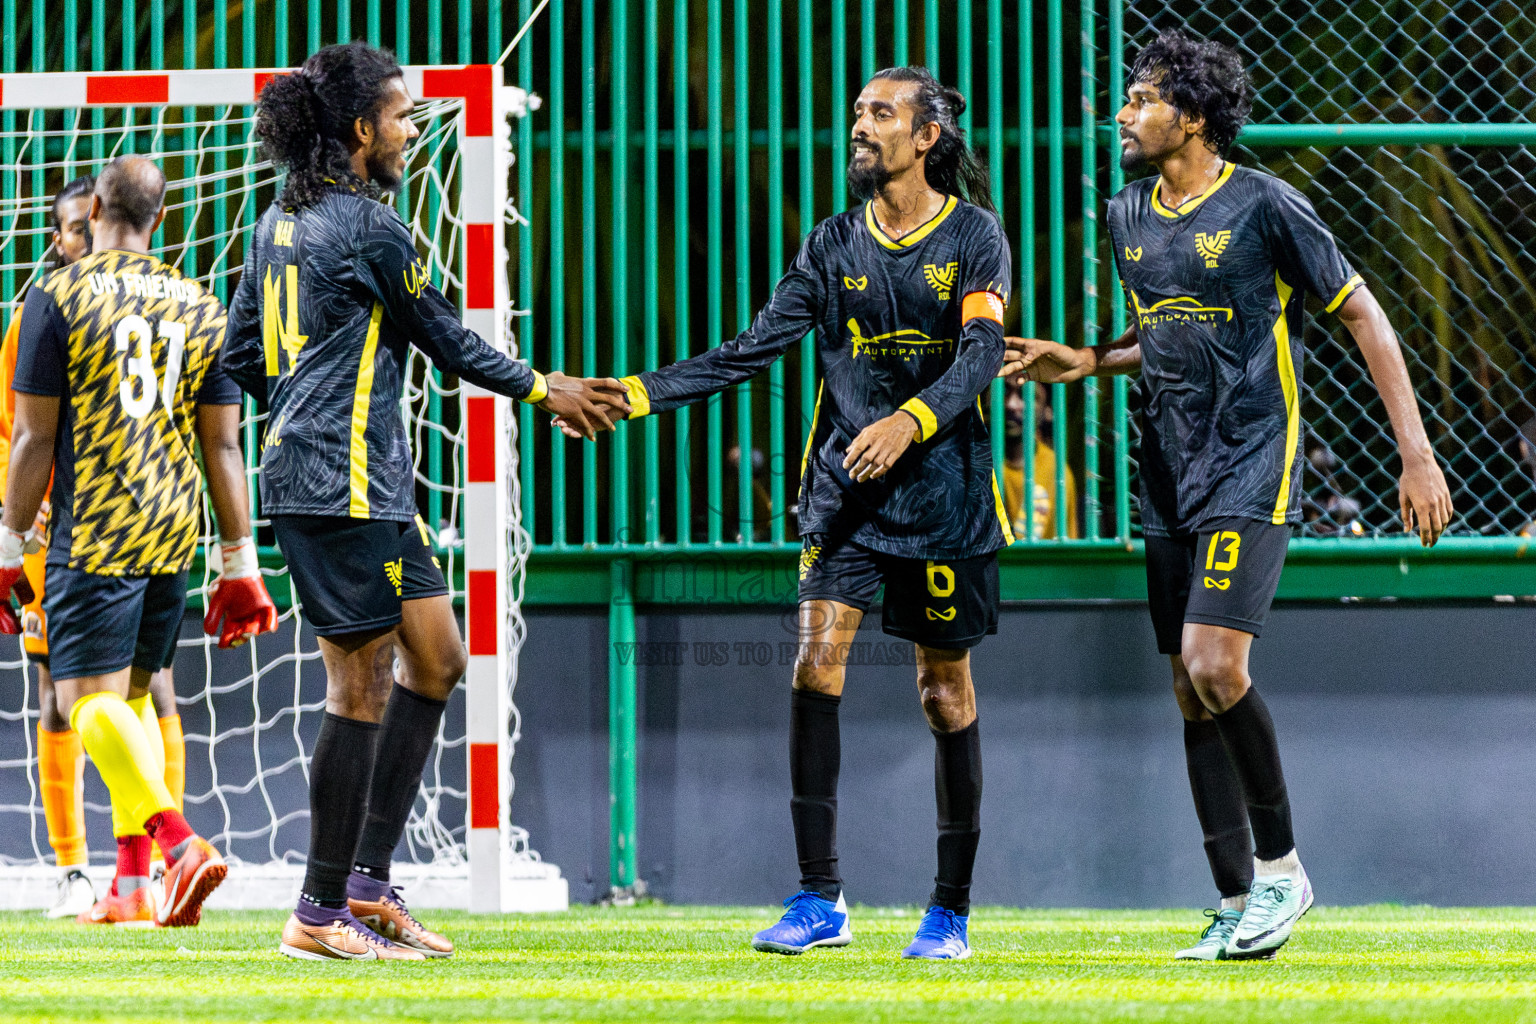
(808, 556)
(1211, 584)
(396, 572)
(947, 615)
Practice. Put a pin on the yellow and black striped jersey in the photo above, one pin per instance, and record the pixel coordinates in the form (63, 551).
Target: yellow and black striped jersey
(130, 347)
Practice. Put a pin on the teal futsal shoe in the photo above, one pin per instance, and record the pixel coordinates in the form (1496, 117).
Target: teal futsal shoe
(1213, 941)
(810, 920)
(1275, 904)
(940, 936)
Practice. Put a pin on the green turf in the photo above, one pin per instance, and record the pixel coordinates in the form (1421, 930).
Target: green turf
(1358, 965)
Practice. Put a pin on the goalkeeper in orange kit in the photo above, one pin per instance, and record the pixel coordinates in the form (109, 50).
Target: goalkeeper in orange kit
(60, 758)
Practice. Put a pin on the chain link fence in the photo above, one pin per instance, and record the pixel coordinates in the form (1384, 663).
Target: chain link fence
(1443, 234)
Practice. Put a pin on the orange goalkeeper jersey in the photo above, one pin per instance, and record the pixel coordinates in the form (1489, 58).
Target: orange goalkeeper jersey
(7, 396)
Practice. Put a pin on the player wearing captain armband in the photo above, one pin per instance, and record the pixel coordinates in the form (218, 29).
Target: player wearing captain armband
(332, 296)
(906, 296)
(116, 375)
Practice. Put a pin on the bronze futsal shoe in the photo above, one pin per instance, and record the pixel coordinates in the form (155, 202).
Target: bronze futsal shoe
(380, 907)
(340, 937)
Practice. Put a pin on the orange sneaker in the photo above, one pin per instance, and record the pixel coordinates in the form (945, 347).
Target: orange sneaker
(343, 938)
(389, 917)
(188, 883)
(136, 910)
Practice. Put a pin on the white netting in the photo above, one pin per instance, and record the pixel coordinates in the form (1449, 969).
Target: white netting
(250, 716)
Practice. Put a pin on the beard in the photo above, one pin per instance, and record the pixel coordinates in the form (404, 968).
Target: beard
(1134, 160)
(382, 173)
(867, 179)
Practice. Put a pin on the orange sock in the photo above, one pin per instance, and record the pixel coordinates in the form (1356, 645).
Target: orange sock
(175, 758)
(61, 770)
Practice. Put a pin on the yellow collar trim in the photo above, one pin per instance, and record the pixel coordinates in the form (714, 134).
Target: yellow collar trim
(912, 237)
(1190, 204)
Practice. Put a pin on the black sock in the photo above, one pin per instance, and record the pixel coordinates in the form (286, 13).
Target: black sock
(1248, 733)
(815, 755)
(1220, 807)
(957, 788)
(405, 738)
(338, 796)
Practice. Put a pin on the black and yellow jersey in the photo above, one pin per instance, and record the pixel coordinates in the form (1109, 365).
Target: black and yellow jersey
(331, 297)
(1216, 290)
(130, 347)
(910, 324)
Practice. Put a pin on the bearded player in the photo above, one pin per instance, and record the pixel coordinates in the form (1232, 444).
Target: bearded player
(332, 297)
(906, 296)
(1216, 260)
(116, 377)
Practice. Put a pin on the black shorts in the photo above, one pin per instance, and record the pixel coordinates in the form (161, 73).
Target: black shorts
(100, 624)
(946, 604)
(1225, 575)
(352, 574)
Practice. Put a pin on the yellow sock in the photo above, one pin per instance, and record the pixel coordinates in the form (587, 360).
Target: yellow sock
(128, 762)
(61, 772)
(144, 707)
(175, 758)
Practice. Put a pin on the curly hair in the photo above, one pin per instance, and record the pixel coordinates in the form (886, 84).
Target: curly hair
(306, 119)
(1199, 78)
(950, 165)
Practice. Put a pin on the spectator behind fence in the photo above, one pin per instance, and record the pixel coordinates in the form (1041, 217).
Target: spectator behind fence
(1527, 442)
(1336, 514)
(1044, 490)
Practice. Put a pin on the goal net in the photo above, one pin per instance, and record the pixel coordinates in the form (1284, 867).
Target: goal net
(251, 715)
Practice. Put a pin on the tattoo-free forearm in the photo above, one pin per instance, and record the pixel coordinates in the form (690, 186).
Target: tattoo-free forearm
(1367, 323)
(218, 432)
(31, 459)
(1123, 355)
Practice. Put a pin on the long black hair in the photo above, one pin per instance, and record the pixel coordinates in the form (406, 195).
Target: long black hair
(1198, 78)
(306, 119)
(950, 165)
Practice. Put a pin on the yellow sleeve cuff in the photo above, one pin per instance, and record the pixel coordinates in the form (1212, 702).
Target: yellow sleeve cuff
(1349, 289)
(927, 422)
(540, 389)
(639, 398)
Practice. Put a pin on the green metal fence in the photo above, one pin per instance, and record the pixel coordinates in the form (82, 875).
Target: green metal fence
(710, 137)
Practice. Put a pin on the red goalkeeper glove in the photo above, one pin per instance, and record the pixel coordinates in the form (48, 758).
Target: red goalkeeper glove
(238, 599)
(12, 546)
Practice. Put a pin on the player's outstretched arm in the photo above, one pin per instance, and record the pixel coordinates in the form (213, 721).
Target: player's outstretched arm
(1424, 500)
(238, 604)
(581, 406)
(1050, 362)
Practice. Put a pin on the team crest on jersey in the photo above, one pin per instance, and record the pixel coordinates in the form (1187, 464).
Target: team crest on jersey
(856, 284)
(1212, 246)
(396, 572)
(906, 344)
(942, 277)
(1134, 255)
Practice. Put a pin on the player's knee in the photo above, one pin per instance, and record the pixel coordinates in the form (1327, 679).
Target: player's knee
(453, 663)
(1219, 678)
(1190, 705)
(817, 670)
(947, 697)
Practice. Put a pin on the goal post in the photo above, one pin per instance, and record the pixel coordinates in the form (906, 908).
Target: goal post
(458, 214)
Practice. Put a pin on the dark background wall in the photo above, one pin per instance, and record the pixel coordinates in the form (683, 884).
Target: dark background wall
(1406, 731)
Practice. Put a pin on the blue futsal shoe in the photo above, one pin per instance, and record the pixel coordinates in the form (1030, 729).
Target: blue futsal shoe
(810, 920)
(940, 936)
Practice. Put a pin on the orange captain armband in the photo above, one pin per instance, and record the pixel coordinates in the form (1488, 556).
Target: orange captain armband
(983, 304)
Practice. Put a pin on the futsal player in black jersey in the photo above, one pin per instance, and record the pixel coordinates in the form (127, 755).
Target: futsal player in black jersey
(1216, 260)
(332, 296)
(906, 295)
